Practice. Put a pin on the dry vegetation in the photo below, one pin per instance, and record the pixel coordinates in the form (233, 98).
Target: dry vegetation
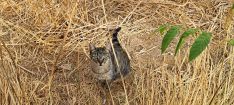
(44, 52)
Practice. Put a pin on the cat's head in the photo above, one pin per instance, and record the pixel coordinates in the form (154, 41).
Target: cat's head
(100, 55)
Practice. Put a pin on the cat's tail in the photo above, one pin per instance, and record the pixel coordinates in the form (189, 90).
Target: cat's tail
(123, 66)
(115, 40)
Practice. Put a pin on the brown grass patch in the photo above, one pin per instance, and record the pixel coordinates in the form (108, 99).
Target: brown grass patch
(44, 52)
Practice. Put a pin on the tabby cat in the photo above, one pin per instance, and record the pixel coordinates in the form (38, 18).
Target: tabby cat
(104, 62)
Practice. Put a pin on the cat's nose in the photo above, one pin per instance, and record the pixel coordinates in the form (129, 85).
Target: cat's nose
(100, 62)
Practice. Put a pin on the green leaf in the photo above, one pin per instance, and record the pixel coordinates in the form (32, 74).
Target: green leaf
(231, 42)
(171, 33)
(189, 32)
(163, 28)
(199, 45)
(182, 38)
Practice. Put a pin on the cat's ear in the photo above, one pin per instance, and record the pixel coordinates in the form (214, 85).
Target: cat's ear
(91, 46)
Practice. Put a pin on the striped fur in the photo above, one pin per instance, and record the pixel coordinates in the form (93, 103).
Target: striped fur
(123, 65)
(104, 64)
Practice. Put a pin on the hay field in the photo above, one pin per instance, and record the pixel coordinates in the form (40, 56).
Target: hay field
(44, 52)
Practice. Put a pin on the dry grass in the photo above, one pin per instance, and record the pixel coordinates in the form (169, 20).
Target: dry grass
(44, 52)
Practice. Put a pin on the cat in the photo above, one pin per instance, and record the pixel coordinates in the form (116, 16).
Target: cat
(106, 65)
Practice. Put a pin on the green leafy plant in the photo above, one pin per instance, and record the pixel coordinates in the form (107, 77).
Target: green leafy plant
(198, 46)
(228, 21)
(171, 33)
(163, 28)
(183, 37)
(231, 42)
